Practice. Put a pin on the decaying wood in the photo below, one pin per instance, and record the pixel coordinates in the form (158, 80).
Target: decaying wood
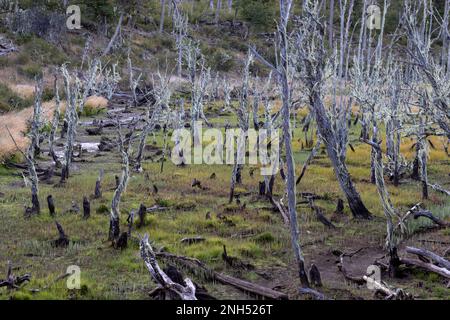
(320, 216)
(12, 281)
(439, 189)
(186, 292)
(429, 215)
(51, 205)
(195, 265)
(427, 266)
(98, 185)
(192, 240)
(390, 294)
(63, 240)
(86, 208)
(429, 255)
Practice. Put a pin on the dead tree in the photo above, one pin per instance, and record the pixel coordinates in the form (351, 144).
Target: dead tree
(98, 185)
(55, 122)
(162, 16)
(186, 292)
(418, 19)
(180, 22)
(114, 37)
(114, 226)
(12, 281)
(311, 67)
(243, 114)
(162, 93)
(392, 216)
(29, 157)
(71, 118)
(283, 74)
(133, 82)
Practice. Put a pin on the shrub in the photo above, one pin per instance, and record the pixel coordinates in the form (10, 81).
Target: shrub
(31, 71)
(260, 13)
(47, 94)
(9, 100)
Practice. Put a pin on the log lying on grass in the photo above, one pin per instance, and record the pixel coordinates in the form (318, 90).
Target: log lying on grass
(427, 266)
(195, 265)
(430, 255)
(11, 281)
(186, 292)
(429, 215)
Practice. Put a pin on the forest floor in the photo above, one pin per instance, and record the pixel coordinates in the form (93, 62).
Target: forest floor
(251, 230)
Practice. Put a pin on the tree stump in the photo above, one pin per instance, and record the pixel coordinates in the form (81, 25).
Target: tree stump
(86, 208)
(142, 213)
(51, 205)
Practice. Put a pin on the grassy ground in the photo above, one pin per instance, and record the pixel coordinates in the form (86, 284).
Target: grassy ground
(256, 235)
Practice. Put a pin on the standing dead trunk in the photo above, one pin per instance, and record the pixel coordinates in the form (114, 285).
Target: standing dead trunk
(55, 123)
(162, 17)
(86, 208)
(114, 37)
(98, 186)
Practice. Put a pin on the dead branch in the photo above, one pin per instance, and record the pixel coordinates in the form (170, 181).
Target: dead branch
(429, 255)
(195, 265)
(186, 292)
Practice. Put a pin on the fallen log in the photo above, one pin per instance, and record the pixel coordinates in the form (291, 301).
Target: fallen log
(429, 215)
(192, 240)
(11, 281)
(430, 255)
(186, 292)
(427, 266)
(195, 264)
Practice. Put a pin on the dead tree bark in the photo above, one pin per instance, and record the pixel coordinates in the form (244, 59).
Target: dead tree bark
(113, 39)
(310, 44)
(114, 226)
(98, 185)
(55, 123)
(51, 205)
(186, 292)
(86, 208)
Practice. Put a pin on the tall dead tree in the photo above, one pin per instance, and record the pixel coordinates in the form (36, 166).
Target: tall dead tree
(55, 122)
(114, 225)
(312, 66)
(243, 114)
(284, 76)
(133, 82)
(71, 118)
(114, 37)
(180, 31)
(162, 16)
(161, 93)
(36, 124)
(418, 23)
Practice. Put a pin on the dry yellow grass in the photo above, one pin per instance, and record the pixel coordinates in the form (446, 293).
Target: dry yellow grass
(17, 123)
(23, 90)
(96, 102)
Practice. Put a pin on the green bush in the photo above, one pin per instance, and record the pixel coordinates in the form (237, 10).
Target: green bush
(9, 100)
(43, 52)
(260, 13)
(47, 94)
(31, 71)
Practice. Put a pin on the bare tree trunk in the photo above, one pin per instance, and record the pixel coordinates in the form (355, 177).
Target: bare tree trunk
(218, 8)
(331, 24)
(162, 17)
(113, 39)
